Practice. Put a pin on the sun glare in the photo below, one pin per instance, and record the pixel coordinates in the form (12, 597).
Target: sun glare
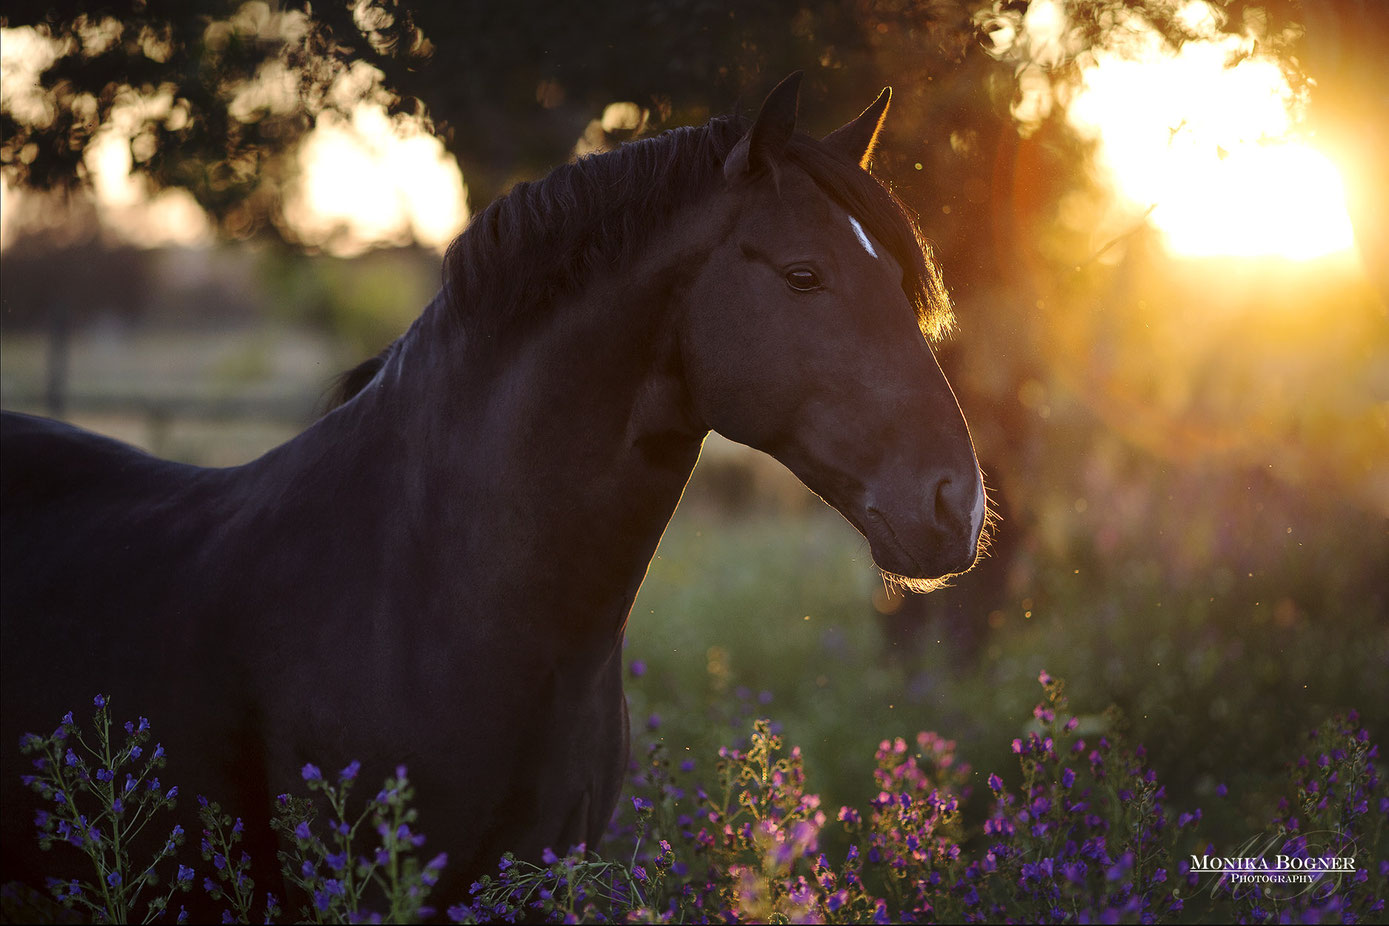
(1202, 138)
(1212, 148)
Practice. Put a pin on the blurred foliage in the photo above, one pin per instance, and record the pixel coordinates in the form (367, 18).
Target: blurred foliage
(176, 81)
(366, 301)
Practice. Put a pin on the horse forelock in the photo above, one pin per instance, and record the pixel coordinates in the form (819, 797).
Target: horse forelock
(870, 202)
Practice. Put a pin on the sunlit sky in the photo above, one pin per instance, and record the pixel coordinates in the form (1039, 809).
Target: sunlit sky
(1212, 153)
(1206, 136)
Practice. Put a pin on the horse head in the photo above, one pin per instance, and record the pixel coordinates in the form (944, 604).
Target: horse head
(805, 335)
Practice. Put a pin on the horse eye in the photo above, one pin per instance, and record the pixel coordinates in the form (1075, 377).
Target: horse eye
(802, 279)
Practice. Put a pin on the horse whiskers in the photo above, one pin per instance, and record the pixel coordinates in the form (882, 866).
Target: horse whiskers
(991, 521)
(894, 582)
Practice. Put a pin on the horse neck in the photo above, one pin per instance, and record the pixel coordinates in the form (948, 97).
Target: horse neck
(533, 473)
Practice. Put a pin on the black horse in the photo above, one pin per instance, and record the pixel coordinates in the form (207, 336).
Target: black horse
(439, 571)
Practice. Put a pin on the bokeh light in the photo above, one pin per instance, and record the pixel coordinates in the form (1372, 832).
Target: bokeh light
(371, 179)
(363, 180)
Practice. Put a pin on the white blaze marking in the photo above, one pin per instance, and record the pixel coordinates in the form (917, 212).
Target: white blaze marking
(862, 237)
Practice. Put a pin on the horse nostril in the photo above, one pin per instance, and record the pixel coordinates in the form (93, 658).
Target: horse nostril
(942, 512)
(959, 503)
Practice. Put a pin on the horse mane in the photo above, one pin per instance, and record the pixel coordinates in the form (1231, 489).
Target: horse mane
(543, 240)
(347, 384)
(594, 213)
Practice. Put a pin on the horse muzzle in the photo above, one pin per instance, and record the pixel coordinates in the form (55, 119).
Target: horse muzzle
(935, 536)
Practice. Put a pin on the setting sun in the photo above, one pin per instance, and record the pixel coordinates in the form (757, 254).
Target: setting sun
(1206, 138)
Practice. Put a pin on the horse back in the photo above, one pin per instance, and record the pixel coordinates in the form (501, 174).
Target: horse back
(43, 461)
(78, 508)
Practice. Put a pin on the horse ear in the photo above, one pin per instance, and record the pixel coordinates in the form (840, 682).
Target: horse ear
(856, 139)
(763, 144)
